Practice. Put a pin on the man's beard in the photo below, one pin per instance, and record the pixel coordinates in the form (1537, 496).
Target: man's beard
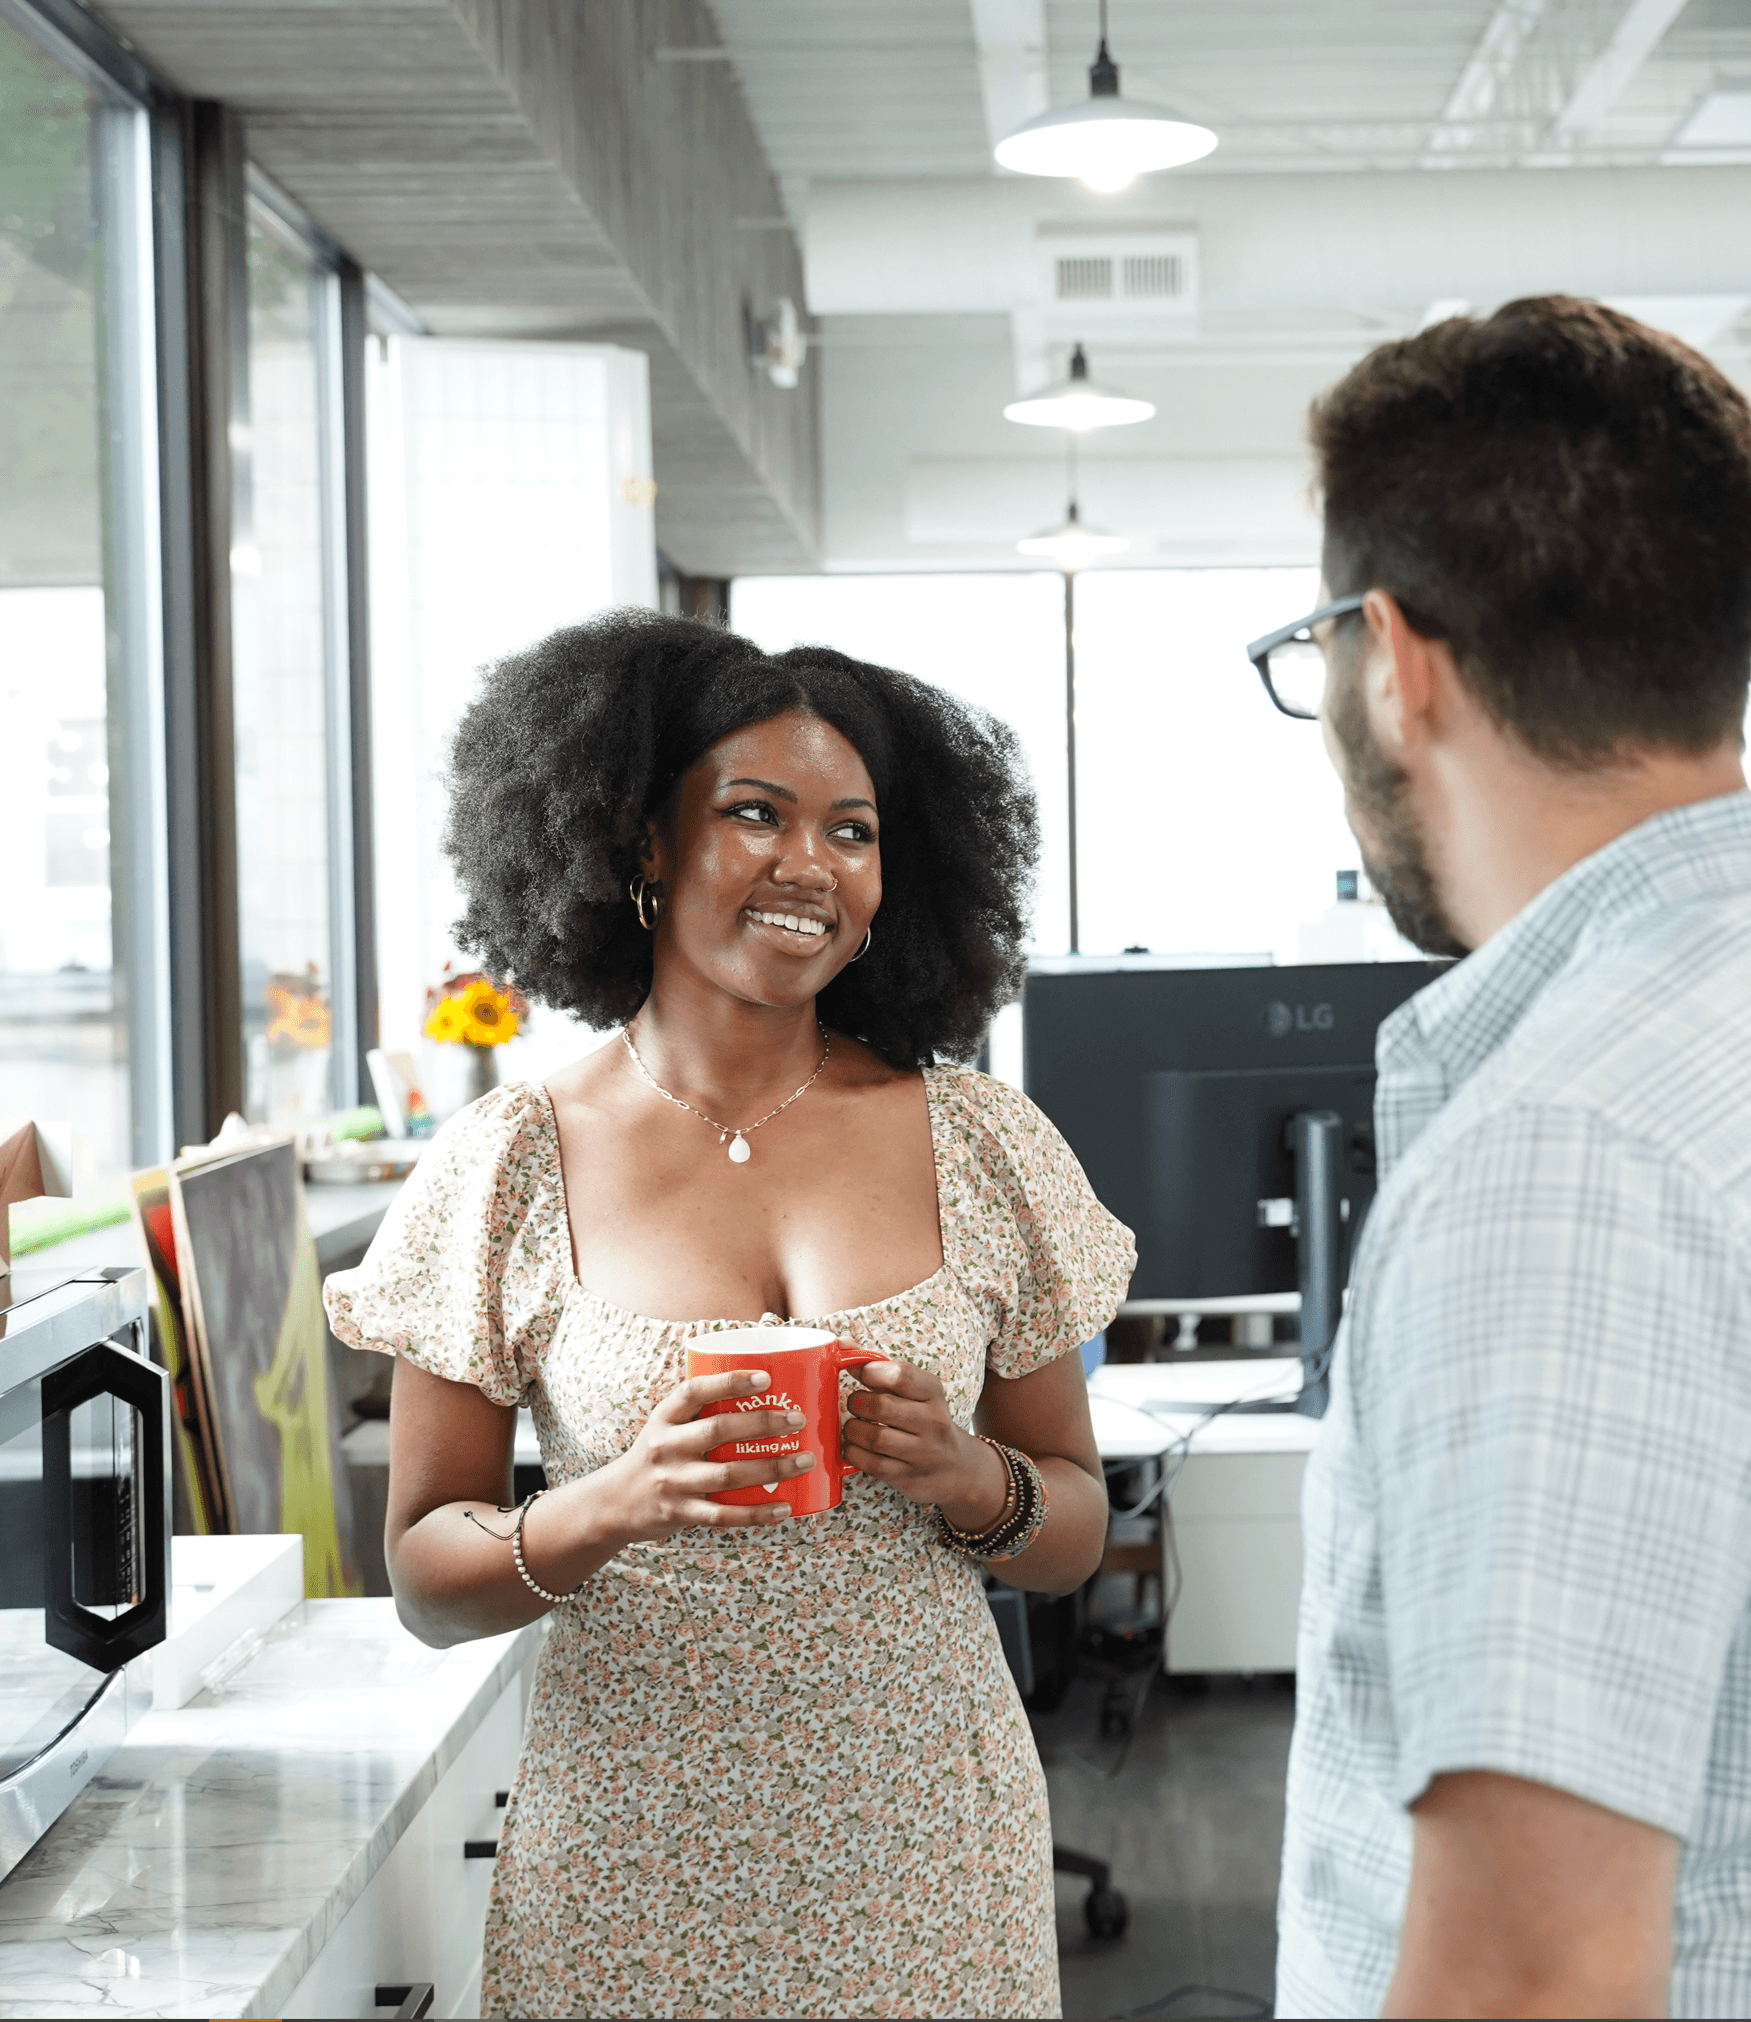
(1396, 859)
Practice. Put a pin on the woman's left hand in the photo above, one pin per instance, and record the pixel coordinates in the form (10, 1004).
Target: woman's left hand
(901, 1432)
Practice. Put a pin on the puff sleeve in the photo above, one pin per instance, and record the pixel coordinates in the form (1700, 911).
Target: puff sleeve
(468, 1273)
(1023, 1227)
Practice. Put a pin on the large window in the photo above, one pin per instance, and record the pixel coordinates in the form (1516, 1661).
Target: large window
(83, 1025)
(289, 617)
(1207, 823)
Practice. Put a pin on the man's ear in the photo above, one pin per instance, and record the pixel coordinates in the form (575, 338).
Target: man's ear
(1398, 679)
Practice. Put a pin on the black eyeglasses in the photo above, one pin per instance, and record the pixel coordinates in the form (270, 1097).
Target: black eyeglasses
(1291, 665)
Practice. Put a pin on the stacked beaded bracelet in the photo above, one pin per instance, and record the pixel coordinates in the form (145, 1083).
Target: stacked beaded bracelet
(1020, 1521)
(517, 1549)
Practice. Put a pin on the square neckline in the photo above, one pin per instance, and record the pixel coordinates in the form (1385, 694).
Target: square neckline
(577, 1289)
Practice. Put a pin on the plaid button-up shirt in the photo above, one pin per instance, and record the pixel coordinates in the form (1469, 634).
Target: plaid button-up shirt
(1527, 1520)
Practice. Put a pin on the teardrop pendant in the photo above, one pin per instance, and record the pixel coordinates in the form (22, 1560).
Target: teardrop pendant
(740, 1149)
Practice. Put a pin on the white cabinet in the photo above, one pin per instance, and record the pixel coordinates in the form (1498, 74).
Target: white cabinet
(424, 1911)
(1237, 1527)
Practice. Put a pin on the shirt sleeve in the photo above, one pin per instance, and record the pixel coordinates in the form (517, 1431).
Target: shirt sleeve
(1061, 1262)
(468, 1272)
(1557, 1410)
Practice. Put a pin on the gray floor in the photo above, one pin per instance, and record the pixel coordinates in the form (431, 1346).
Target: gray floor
(1192, 1826)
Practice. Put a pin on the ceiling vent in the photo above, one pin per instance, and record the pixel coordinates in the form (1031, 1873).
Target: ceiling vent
(1083, 280)
(1093, 279)
(1153, 277)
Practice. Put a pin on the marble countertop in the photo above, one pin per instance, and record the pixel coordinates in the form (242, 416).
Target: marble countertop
(203, 1871)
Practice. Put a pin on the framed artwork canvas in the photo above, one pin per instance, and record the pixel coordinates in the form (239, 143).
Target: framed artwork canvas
(252, 1308)
(198, 1505)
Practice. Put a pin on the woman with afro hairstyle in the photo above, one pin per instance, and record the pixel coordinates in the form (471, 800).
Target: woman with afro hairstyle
(775, 1764)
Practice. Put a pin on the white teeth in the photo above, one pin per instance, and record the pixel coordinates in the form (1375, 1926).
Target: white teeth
(797, 924)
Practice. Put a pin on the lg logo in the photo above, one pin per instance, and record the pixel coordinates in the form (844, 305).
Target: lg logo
(1281, 1019)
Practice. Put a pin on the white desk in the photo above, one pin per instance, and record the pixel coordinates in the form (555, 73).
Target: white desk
(1236, 1505)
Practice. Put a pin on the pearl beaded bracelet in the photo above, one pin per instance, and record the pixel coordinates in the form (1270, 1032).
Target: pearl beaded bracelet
(517, 1550)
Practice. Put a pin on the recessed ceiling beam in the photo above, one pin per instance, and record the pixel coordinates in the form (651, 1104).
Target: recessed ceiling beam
(1010, 36)
(1474, 95)
(1640, 28)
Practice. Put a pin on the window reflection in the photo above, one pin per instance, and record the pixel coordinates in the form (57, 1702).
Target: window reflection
(283, 685)
(64, 1052)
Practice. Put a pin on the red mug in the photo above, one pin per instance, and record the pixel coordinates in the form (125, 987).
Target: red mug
(804, 1365)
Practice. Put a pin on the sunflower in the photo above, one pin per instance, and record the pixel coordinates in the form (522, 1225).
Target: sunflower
(488, 1014)
(446, 1021)
(311, 1025)
(282, 1010)
(297, 1014)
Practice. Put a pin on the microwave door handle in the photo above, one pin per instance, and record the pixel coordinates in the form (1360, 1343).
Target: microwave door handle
(93, 1639)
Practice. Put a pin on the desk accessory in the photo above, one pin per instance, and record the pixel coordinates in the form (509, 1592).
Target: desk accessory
(35, 1159)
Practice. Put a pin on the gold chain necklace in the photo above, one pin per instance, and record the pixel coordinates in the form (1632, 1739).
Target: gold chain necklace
(740, 1149)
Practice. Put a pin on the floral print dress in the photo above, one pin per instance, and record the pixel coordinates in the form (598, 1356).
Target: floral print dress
(767, 1772)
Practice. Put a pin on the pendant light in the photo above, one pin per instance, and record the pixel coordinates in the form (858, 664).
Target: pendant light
(1078, 403)
(1107, 142)
(1073, 544)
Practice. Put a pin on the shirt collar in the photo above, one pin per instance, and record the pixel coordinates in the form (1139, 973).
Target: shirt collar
(1448, 1030)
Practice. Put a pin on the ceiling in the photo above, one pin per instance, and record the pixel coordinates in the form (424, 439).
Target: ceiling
(843, 89)
(1380, 162)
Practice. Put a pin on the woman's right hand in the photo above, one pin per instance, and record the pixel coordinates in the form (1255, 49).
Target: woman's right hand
(663, 1482)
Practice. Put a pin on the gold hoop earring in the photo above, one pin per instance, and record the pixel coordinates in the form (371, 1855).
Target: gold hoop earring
(637, 892)
(868, 936)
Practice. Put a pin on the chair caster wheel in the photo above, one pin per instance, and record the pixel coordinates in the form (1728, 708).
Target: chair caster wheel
(1106, 1913)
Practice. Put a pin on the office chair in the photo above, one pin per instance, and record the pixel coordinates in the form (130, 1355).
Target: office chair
(1104, 1908)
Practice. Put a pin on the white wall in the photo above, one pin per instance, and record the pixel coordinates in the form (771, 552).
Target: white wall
(510, 494)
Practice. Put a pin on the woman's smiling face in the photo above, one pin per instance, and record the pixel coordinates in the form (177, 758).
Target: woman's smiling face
(771, 868)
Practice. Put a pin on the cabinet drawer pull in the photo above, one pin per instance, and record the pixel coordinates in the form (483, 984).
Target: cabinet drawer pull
(500, 1798)
(409, 2002)
(480, 1849)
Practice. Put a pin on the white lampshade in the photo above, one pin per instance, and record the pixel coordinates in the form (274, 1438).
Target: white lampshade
(1078, 403)
(1106, 143)
(1073, 544)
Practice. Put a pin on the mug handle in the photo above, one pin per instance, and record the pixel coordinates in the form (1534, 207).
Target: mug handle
(849, 1356)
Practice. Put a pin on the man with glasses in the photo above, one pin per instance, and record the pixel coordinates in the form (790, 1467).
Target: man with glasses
(1521, 1775)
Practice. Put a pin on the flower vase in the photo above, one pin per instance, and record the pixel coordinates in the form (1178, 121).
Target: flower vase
(483, 1071)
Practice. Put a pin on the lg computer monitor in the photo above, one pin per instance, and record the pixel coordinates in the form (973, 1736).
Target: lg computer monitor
(1178, 1090)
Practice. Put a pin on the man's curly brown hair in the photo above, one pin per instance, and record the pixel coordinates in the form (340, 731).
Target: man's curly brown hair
(573, 747)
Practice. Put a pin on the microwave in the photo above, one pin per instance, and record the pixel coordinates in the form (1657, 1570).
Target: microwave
(84, 1534)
